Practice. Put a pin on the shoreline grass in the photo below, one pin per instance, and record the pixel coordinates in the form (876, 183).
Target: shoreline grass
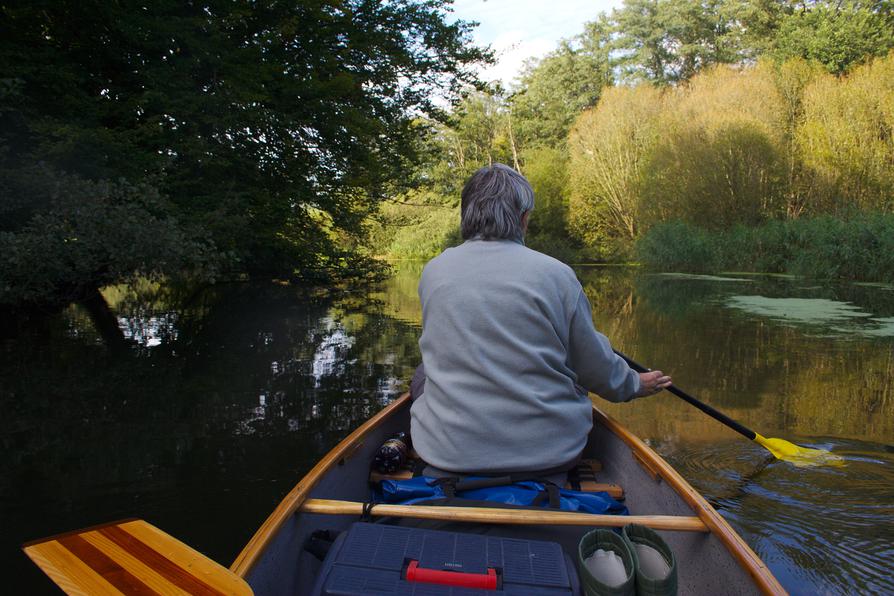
(859, 248)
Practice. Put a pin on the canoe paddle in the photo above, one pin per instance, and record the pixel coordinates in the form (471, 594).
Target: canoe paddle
(780, 448)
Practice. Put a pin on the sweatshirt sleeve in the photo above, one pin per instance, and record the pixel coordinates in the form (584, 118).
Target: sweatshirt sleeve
(598, 368)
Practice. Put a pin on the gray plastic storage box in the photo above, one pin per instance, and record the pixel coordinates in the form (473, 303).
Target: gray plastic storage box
(383, 559)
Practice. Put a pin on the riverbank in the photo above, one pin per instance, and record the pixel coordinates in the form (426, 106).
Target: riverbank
(860, 248)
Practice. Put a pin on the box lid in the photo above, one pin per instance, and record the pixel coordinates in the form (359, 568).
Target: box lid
(373, 558)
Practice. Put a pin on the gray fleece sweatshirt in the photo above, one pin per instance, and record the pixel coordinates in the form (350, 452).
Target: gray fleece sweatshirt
(509, 351)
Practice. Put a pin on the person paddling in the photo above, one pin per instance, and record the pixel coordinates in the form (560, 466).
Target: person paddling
(509, 350)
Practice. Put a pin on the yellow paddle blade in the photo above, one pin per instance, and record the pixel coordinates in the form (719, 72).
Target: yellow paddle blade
(800, 456)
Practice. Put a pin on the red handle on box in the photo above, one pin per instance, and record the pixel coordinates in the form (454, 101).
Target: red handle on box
(482, 581)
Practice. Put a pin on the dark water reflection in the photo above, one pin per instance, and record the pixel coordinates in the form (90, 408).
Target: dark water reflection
(199, 421)
(199, 411)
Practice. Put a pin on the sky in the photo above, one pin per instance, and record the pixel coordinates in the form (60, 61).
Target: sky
(520, 29)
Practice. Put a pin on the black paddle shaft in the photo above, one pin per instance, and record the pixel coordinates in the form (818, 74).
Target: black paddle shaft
(743, 430)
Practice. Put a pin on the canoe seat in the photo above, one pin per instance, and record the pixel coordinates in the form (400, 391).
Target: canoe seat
(586, 476)
(130, 557)
(586, 472)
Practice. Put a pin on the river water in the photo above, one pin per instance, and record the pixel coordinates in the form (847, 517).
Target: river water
(199, 410)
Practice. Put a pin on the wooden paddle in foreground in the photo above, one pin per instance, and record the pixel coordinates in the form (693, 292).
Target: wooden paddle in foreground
(494, 515)
(780, 448)
(130, 557)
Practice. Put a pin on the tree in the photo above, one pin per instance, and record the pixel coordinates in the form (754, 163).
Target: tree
(546, 168)
(480, 127)
(667, 41)
(421, 218)
(838, 35)
(554, 90)
(608, 147)
(847, 136)
(94, 234)
(720, 158)
(804, 191)
(274, 126)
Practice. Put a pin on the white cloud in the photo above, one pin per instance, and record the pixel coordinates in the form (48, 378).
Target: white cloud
(512, 49)
(520, 29)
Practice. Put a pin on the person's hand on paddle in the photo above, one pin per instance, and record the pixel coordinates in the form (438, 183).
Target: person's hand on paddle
(652, 382)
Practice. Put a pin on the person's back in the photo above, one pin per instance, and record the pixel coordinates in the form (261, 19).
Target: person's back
(499, 393)
(508, 346)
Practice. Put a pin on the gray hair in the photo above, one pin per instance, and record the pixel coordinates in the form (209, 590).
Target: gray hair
(493, 202)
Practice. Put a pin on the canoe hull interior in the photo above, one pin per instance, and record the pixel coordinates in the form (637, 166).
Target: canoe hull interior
(706, 564)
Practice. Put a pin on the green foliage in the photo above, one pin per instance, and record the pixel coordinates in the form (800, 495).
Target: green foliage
(860, 247)
(667, 41)
(801, 191)
(94, 234)
(421, 222)
(480, 127)
(554, 90)
(421, 218)
(677, 246)
(741, 128)
(769, 247)
(274, 127)
(419, 227)
(299, 139)
(547, 171)
(526, 130)
(838, 35)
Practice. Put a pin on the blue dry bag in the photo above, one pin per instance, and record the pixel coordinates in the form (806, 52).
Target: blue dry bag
(529, 492)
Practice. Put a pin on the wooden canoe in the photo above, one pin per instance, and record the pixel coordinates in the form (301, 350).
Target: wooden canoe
(711, 557)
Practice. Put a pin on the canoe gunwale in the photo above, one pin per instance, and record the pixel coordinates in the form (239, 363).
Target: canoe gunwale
(718, 526)
(654, 463)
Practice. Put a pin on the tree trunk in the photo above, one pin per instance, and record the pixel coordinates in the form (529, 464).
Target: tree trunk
(515, 163)
(105, 321)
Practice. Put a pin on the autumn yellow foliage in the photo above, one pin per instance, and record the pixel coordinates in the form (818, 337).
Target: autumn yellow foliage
(734, 146)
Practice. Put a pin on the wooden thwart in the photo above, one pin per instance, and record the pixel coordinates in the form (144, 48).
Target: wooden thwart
(492, 515)
(130, 557)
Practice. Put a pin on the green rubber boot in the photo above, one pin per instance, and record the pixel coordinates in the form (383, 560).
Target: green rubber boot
(606, 573)
(656, 566)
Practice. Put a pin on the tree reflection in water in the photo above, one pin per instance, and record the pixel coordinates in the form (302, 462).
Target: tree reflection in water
(207, 413)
